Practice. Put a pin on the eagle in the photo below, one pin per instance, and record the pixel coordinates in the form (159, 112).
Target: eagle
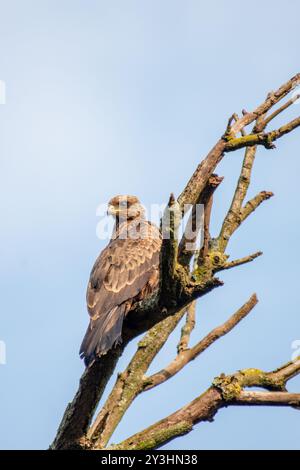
(125, 272)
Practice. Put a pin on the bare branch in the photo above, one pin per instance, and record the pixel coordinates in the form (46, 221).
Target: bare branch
(236, 118)
(239, 261)
(225, 391)
(236, 217)
(272, 99)
(280, 110)
(268, 398)
(204, 170)
(232, 118)
(198, 181)
(254, 203)
(187, 327)
(266, 139)
(131, 382)
(187, 245)
(238, 198)
(287, 371)
(185, 356)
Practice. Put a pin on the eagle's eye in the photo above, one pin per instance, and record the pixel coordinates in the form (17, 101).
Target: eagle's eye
(123, 203)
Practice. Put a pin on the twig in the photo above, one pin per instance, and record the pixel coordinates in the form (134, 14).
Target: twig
(187, 245)
(190, 354)
(254, 203)
(228, 132)
(272, 99)
(187, 327)
(237, 216)
(239, 261)
(238, 198)
(280, 110)
(288, 370)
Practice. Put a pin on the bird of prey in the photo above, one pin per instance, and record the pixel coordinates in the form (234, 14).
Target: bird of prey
(125, 272)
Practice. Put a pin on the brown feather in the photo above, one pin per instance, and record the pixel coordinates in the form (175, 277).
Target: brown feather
(125, 271)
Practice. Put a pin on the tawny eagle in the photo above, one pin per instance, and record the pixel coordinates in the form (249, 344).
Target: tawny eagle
(125, 272)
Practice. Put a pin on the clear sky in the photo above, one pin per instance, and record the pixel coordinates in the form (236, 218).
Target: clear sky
(109, 97)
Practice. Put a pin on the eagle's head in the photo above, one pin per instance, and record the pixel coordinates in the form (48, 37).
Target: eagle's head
(125, 207)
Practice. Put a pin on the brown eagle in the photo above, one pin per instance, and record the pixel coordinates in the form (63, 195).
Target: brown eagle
(126, 271)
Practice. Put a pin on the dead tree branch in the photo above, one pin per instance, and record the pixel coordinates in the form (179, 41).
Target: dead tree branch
(178, 290)
(185, 356)
(239, 261)
(187, 245)
(202, 173)
(187, 327)
(225, 391)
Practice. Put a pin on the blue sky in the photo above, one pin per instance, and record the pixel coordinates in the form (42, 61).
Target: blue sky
(109, 97)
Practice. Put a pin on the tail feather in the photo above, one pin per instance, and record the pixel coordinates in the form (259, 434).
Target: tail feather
(102, 334)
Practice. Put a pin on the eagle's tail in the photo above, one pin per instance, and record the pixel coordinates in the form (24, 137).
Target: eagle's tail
(102, 334)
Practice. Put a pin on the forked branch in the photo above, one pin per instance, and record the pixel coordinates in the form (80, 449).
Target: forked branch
(160, 314)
